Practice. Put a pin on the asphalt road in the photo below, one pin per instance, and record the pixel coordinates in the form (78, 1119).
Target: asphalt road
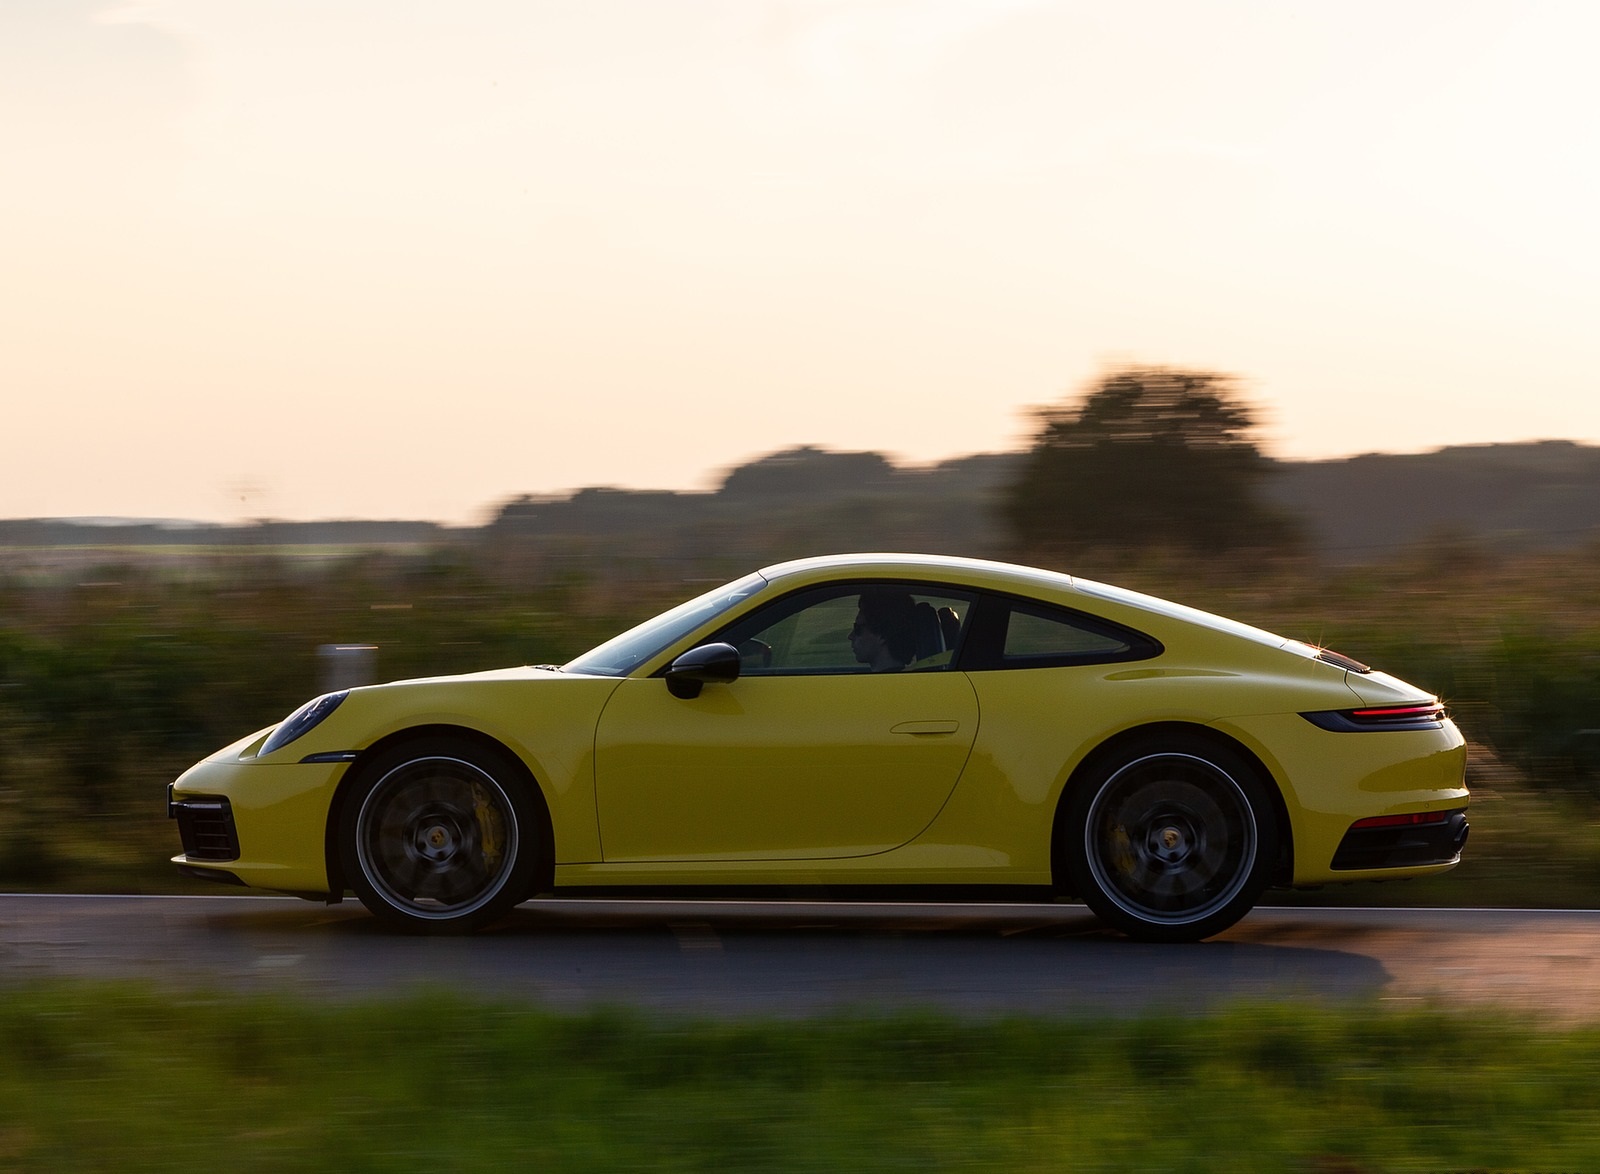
(721, 958)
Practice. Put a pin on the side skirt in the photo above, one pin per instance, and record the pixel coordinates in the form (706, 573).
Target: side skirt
(921, 894)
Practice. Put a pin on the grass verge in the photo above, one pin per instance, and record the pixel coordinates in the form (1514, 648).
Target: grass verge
(118, 1077)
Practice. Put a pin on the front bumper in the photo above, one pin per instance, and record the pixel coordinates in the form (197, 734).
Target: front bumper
(205, 825)
(253, 823)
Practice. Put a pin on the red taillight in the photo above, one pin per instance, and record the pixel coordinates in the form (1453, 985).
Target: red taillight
(1395, 821)
(1414, 715)
(1400, 713)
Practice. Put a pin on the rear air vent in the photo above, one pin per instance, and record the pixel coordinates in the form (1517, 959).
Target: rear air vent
(1339, 660)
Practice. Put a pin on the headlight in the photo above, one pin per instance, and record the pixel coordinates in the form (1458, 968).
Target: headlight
(302, 720)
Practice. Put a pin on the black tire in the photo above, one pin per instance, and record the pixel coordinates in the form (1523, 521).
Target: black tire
(439, 836)
(1172, 840)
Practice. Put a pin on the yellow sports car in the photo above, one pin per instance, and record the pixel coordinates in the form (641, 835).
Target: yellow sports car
(858, 724)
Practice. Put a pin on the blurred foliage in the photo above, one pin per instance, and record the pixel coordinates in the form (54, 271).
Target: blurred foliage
(115, 678)
(90, 1080)
(112, 682)
(1150, 455)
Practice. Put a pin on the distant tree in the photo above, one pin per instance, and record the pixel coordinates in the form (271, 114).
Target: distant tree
(1153, 456)
(807, 472)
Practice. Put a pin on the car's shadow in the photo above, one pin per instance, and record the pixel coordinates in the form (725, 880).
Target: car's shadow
(739, 958)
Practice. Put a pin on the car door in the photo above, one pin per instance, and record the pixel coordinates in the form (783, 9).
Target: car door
(806, 756)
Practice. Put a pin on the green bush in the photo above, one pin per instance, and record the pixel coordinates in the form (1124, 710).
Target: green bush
(110, 688)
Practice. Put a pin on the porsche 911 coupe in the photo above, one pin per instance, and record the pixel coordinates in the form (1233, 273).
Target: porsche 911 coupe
(854, 725)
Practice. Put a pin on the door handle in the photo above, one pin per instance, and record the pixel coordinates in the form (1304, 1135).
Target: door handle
(938, 727)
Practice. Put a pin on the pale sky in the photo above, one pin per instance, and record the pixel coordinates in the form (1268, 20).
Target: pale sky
(379, 258)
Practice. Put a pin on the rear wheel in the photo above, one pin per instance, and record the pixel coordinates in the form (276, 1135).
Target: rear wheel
(439, 837)
(1171, 841)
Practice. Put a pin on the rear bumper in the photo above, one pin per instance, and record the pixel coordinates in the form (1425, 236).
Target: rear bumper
(1403, 845)
(1331, 782)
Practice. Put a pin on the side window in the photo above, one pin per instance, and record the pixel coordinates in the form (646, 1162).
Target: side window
(813, 639)
(1038, 636)
(852, 628)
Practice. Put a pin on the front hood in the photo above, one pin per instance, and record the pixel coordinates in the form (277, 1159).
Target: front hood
(523, 673)
(509, 705)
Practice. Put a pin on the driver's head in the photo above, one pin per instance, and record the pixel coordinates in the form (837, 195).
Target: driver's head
(884, 636)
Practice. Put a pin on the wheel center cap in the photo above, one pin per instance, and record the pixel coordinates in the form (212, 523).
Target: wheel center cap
(1169, 844)
(436, 842)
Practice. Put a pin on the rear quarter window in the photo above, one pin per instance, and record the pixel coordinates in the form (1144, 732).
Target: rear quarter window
(1026, 635)
(1030, 634)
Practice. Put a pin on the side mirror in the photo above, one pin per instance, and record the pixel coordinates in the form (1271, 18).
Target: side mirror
(707, 664)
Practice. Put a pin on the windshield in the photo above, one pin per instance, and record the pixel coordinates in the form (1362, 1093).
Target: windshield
(620, 655)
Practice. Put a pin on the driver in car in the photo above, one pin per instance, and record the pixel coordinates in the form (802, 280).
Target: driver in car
(884, 637)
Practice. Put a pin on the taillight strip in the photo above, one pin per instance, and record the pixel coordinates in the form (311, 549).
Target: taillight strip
(1398, 712)
(1413, 715)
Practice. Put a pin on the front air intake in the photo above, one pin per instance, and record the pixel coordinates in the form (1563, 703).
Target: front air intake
(206, 828)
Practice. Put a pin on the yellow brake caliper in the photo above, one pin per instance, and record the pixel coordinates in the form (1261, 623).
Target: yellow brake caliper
(489, 825)
(1120, 856)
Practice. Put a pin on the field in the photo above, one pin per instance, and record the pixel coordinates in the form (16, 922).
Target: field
(119, 668)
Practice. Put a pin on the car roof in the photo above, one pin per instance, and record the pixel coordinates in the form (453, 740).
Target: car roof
(973, 571)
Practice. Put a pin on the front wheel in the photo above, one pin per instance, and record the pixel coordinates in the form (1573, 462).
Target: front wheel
(439, 837)
(1172, 841)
